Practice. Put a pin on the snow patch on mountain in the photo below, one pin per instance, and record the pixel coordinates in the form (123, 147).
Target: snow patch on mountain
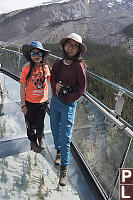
(9, 6)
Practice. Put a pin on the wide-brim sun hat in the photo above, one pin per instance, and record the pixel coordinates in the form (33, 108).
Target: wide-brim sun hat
(26, 48)
(75, 37)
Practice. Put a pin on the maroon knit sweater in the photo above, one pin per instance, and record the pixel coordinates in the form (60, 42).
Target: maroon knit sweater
(74, 75)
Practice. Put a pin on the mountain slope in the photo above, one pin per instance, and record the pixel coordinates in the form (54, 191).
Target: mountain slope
(100, 20)
(45, 23)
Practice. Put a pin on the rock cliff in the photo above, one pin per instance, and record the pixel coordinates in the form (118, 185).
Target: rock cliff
(99, 20)
(46, 23)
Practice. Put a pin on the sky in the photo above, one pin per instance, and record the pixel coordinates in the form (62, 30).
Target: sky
(11, 5)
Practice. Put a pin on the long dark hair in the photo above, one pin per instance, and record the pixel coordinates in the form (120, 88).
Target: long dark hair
(32, 66)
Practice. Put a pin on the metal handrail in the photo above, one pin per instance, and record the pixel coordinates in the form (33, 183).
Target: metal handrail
(11, 51)
(111, 84)
(109, 110)
(129, 132)
(95, 76)
(105, 112)
(57, 57)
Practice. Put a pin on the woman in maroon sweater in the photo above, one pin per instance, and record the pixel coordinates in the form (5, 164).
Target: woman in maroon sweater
(68, 82)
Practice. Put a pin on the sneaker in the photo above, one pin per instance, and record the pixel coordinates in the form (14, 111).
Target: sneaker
(57, 159)
(42, 143)
(1, 114)
(35, 147)
(2, 92)
(63, 176)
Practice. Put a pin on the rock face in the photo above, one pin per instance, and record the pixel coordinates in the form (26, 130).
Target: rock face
(108, 19)
(46, 23)
(99, 20)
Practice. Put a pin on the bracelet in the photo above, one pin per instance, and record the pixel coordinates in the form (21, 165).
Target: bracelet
(23, 106)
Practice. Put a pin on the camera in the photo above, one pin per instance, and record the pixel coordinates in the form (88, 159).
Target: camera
(65, 90)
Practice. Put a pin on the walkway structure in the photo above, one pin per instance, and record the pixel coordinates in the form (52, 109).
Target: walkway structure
(102, 143)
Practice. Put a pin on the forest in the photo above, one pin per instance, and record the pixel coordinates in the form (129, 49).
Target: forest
(128, 31)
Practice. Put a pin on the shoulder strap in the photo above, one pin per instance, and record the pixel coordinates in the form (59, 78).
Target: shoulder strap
(58, 70)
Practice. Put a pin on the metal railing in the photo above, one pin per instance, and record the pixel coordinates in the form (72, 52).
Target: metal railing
(107, 112)
(111, 84)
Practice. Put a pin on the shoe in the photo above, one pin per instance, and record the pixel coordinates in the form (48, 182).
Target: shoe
(1, 114)
(42, 143)
(2, 92)
(57, 159)
(35, 147)
(63, 176)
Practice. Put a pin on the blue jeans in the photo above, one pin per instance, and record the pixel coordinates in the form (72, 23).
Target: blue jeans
(62, 117)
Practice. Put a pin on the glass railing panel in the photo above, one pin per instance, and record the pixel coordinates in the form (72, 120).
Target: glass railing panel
(116, 192)
(129, 158)
(107, 95)
(11, 118)
(12, 61)
(100, 142)
(127, 163)
(11, 87)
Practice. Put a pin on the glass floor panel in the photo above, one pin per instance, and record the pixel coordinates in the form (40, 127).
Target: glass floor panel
(24, 174)
(32, 176)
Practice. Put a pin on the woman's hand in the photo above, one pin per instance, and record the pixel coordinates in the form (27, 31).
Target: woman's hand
(58, 87)
(22, 95)
(24, 110)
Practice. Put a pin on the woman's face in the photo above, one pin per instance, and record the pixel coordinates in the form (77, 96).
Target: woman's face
(36, 56)
(71, 48)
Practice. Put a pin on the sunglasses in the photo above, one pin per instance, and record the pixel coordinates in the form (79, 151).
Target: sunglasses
(39, 54)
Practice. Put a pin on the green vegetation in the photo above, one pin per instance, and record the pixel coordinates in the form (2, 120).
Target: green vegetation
(54, 48)
(112, 63)
(128, 31)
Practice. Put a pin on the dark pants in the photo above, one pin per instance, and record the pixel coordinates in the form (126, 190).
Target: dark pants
(35, 119)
